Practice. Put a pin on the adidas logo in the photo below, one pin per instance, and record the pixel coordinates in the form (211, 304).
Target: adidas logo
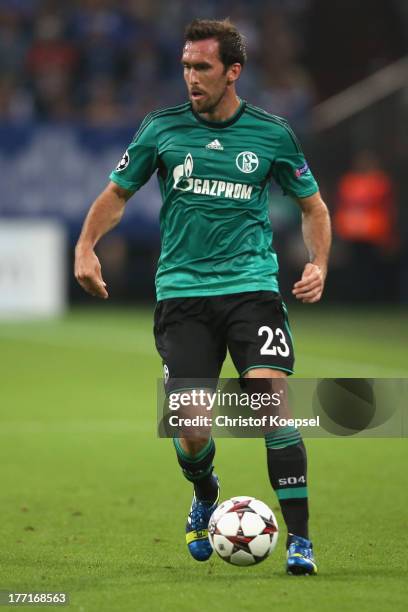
(215, 144)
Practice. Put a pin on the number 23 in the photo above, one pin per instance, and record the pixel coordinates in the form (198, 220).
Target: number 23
(267, 349)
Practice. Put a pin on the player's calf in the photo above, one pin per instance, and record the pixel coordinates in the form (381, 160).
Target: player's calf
(198, 469)
(287, 468)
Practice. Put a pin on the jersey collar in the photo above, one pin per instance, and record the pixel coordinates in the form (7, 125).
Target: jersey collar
(221, 124)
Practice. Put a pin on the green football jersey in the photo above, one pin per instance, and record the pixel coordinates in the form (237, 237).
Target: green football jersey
(216, 236)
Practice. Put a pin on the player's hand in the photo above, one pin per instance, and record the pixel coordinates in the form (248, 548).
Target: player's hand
(310, 288)
(88, 273)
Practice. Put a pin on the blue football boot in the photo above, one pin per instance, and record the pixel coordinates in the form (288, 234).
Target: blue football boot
(197, 527)
(300, 561)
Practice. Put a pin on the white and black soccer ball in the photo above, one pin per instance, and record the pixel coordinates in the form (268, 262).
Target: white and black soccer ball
(243, 530)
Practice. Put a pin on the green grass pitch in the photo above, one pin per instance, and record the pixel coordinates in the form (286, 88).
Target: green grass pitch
(92, 503)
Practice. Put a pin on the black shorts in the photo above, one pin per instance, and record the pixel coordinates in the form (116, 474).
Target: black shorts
(192, 335)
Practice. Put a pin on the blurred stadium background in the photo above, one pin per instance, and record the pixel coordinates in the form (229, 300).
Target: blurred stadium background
(86, 502)
(76, 78)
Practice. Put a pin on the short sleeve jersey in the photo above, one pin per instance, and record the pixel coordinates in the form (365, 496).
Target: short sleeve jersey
(214, 177)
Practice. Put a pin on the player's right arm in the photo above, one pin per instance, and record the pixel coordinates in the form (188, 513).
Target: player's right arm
(104, 214)
(134, 170)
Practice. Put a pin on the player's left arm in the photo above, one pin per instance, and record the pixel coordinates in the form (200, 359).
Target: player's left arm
(316, 230)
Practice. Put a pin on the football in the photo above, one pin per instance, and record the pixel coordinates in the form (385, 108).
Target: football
(243, 531)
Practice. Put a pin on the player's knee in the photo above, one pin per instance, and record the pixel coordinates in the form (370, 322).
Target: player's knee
(193, 446)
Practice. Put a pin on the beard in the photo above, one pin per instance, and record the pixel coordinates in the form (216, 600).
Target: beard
(208, 105)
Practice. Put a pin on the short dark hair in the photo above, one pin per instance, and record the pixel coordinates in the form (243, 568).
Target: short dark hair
(231, 43)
